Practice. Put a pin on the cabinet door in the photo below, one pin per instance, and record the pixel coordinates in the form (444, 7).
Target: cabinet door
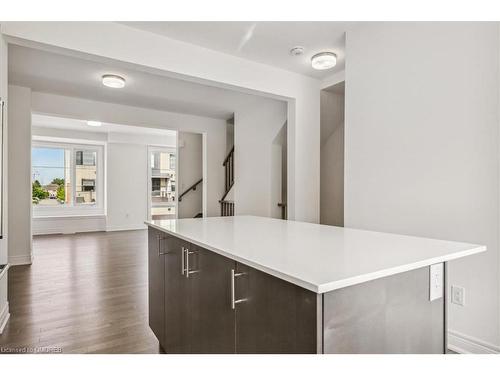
(275, 316)
(212, 317)
(177, 320)
(156, 272)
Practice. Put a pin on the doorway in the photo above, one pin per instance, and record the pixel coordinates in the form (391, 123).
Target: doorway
(190, 175)
(332, 155)
(162, 173)
(279, 175)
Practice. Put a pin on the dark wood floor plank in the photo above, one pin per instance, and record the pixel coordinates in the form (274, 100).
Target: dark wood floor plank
(84, 293)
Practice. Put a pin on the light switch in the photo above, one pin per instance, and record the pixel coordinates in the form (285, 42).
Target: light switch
(436, 281)
(458, 295)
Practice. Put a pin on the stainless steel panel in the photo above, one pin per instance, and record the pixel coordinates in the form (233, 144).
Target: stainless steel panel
(319, 323)
(388, 315)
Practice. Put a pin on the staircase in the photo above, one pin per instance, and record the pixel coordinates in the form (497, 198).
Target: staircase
(192, 188)
(227, 206)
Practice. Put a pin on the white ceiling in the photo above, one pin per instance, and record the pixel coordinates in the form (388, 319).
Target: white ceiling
(52, 122)
(265, 42)
(63, 74)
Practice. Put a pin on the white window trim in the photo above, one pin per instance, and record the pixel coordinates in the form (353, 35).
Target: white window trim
(76, 210)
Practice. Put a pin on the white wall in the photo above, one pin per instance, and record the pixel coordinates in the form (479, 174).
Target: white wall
(190, 164)
(214, 129)
(4, 306)
(68, 224)
(422, 148)
(19, 210)
(255, 127)
(4, 156)
(332, 158)
(153, 51)
(127, 190)
(332, 179)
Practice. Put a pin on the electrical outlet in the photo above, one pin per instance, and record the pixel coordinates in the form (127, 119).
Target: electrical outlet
(436, 276)
(458, 295)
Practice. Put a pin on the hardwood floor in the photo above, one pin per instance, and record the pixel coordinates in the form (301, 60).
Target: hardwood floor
(84, 293)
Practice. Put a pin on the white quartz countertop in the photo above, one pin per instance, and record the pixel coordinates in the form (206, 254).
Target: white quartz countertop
(320, 258)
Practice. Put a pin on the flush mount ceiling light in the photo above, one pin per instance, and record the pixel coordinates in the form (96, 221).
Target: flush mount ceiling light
(114, 81)
(324, 60)
(94, 123)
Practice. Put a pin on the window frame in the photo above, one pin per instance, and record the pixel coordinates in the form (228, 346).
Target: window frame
(73, 208)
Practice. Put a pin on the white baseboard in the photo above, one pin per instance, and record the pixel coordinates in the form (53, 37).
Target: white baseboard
(4, 317)
(125, 227)
(19, 260)
(464, 344)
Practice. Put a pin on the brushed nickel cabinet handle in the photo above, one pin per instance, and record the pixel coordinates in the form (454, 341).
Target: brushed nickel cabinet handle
(188, 271)
(183, 266)
(160, 238)
(235, 301)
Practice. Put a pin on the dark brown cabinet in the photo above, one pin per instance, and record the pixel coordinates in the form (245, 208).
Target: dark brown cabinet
(202, 302)
(156, 291)
(212, 318)
(176, 297)
(189, 296)
(274, 316)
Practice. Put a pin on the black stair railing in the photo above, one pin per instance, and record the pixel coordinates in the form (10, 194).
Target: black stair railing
(226, 206)
(229, 170)
(192, 187)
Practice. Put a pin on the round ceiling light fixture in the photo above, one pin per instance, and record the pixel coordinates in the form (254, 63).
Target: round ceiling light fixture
(114, 81)
(324, 60)
(94, 123)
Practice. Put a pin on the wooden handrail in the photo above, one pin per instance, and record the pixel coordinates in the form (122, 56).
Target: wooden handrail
(192, 187)
(228, 156)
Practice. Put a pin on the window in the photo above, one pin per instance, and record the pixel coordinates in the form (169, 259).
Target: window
(85, 158)
(171, 160)
(66, 179)
(156, 185)
(50, 176)
(85, 176)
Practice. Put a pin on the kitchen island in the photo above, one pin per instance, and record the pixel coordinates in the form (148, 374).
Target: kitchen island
(247, 284)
